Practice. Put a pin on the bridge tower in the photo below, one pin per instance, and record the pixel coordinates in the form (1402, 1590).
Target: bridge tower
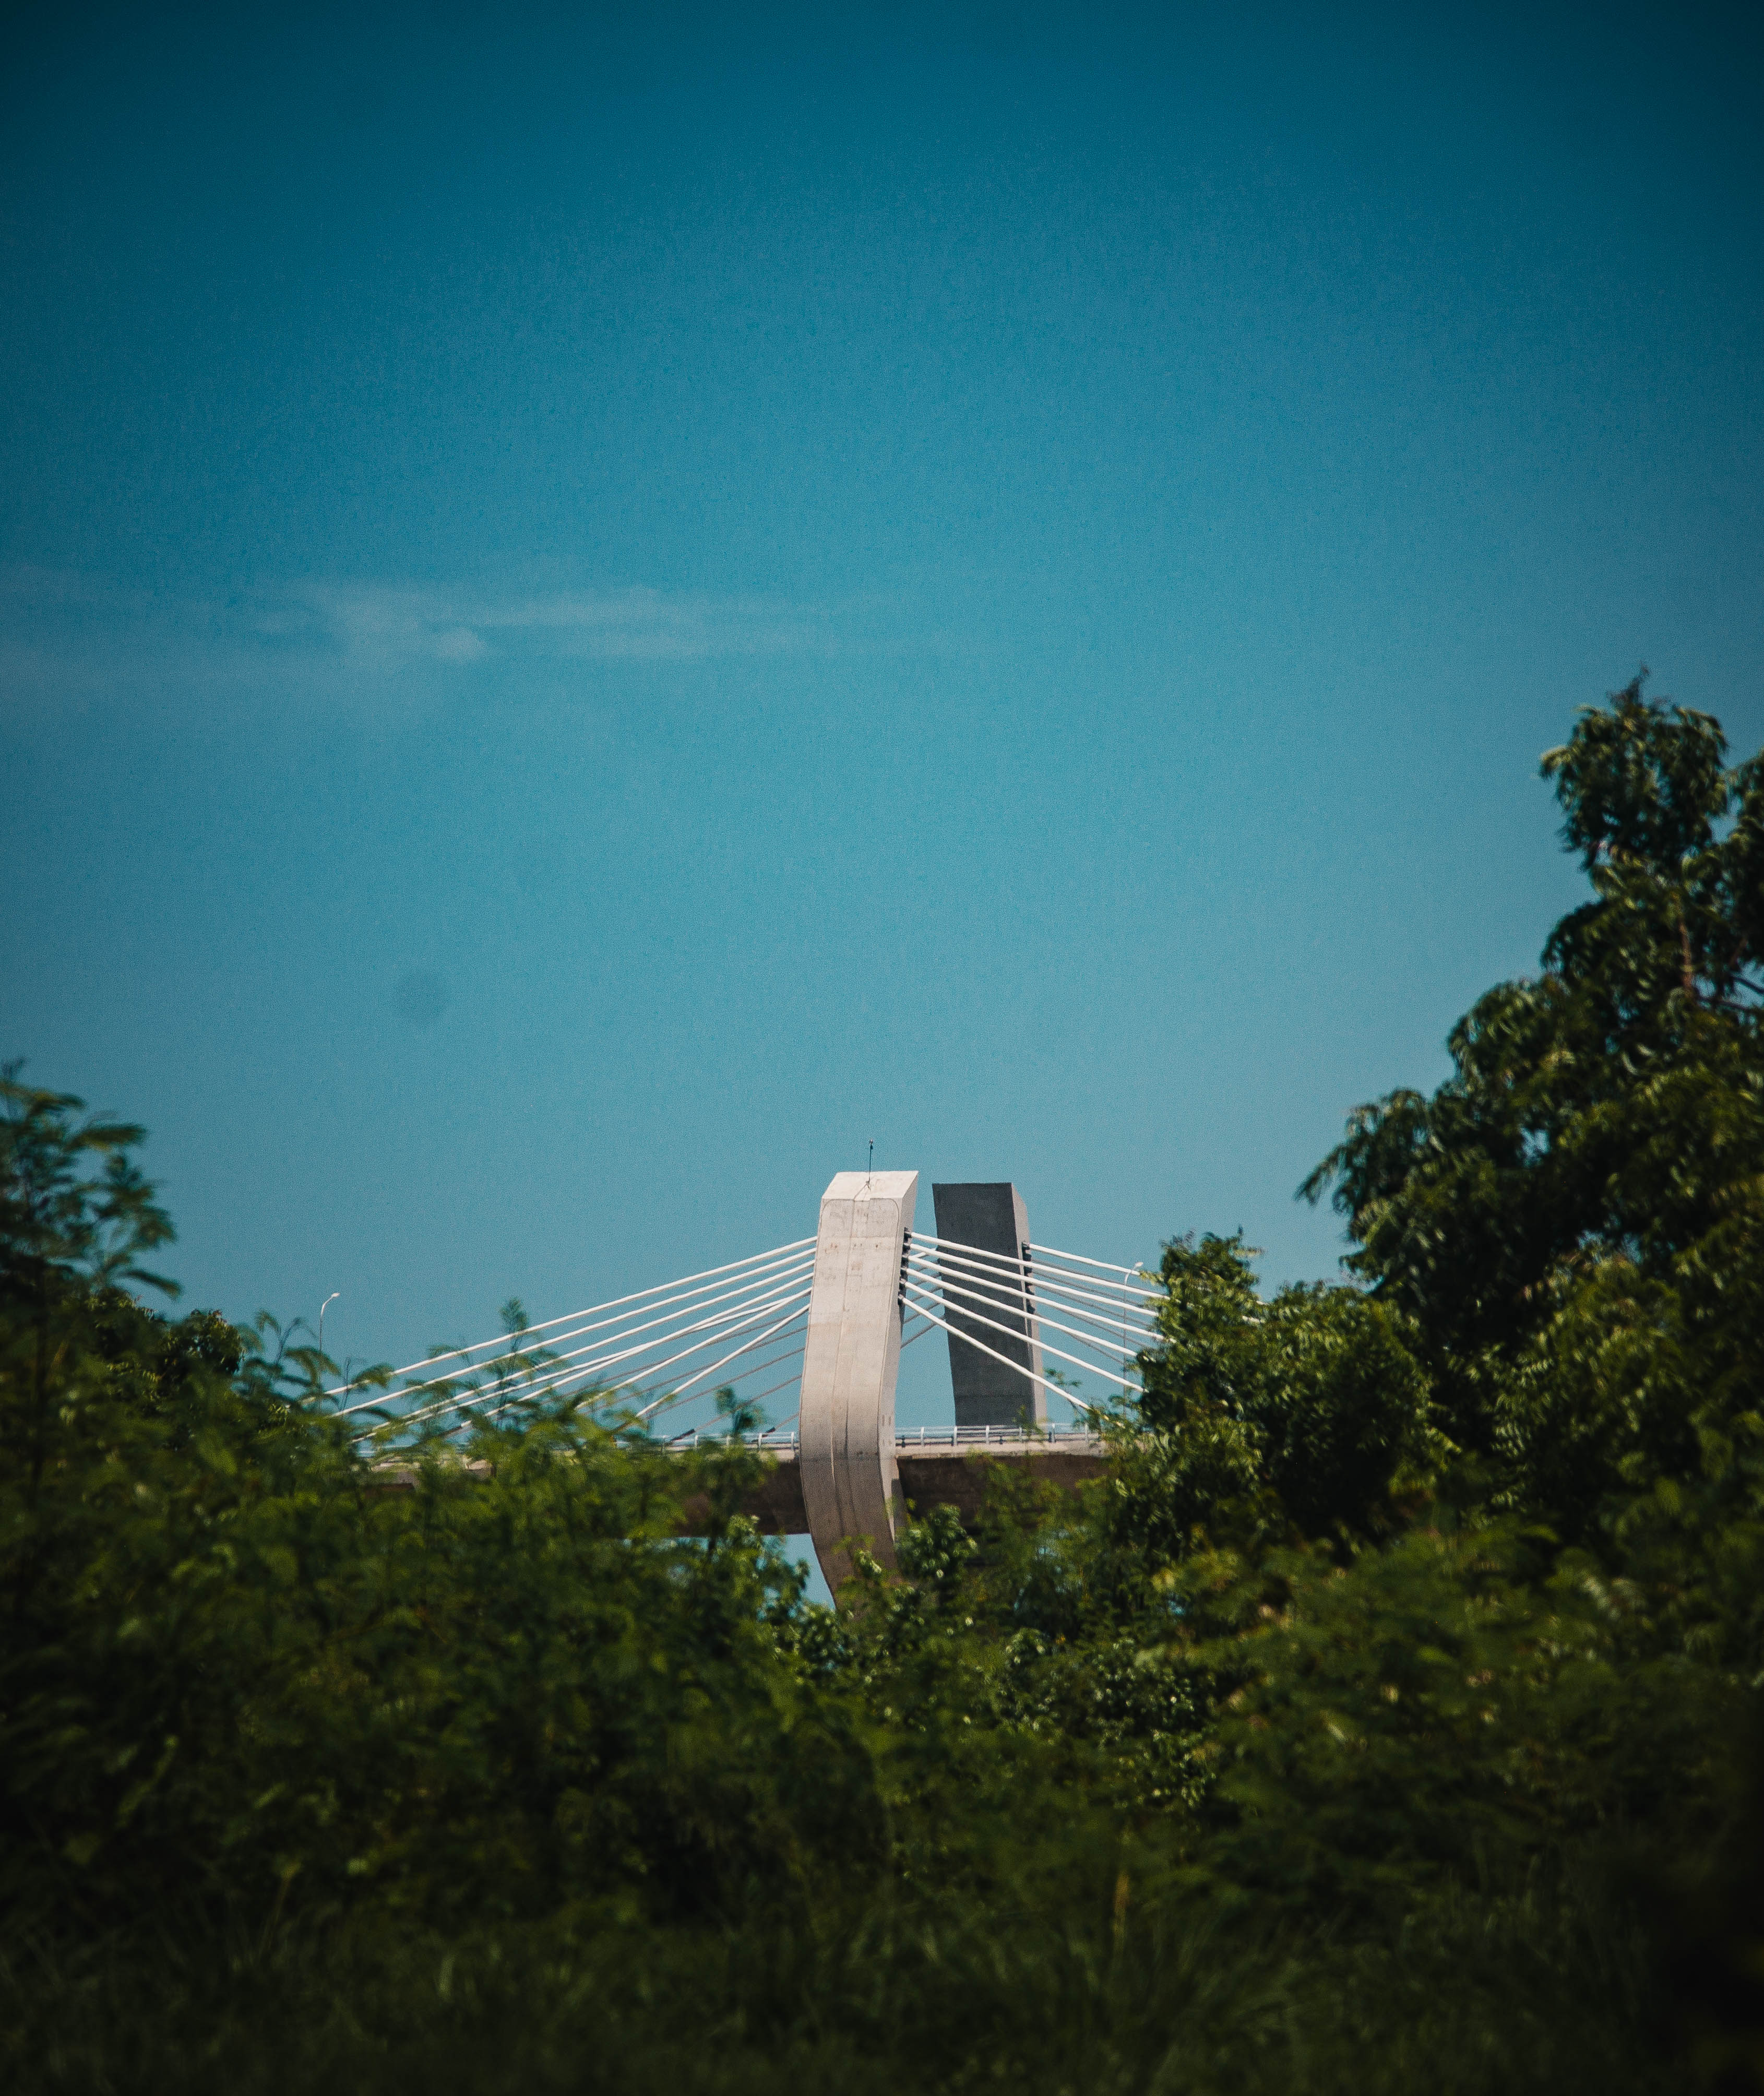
(848, 1465)
(997, 1309)
(851, 1478)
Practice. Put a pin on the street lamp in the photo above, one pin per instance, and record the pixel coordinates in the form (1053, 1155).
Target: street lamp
(323, 1308)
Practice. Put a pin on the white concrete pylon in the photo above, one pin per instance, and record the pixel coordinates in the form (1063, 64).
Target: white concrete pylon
(850, 1480)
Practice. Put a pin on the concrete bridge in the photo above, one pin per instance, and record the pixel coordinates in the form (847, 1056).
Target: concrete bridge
(851, 1299)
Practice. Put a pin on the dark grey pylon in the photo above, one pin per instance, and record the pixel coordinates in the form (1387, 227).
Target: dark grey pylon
(989, 1215)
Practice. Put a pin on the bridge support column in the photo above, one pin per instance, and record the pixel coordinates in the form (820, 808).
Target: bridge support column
(990, 1392)
(850, 1479)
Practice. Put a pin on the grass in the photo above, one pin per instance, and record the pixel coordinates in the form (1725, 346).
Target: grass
(1473, 1994)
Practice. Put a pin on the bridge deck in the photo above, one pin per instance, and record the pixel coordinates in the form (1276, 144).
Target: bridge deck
(946, 1469)
(949, 1472)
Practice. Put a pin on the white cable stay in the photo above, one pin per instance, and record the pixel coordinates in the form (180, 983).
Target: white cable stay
(605, 1347)
(1110, 1374)
(759, 1397)
(1129, 1334)
(696, 1308)
(745, 1291)
(798, 1308)
(759, 1368)
(1013, 1282)
(674, 1396)
(525, 1331)
(466, 1384)
(1144, 1283)
(1018, 1272)
(737, 1318)
(629, 1394)
(524, 1393)
(1010, 1280)
(745, 1375)
(1053, 1389)
(1108, 1265)
(526, 1396)
(1089, 1367)
(1038, 1318)
(728, 1324)
(680, 1394)
(519, 1396)
(1009, 1262)
(1081, 1287)
(741, 1319)
(607, 1354)
(1093, 1327)
(665, 1398)
(795, 1376)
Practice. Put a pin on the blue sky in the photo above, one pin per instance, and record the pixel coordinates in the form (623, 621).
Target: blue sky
(597, 609)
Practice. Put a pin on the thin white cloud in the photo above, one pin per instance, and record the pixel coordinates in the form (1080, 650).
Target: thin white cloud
(385, 621)
(70, 636)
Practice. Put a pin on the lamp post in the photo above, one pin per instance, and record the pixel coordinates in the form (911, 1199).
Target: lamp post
(323, 1308)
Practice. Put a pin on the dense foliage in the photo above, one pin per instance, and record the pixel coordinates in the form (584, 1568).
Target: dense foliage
(1388, 1716)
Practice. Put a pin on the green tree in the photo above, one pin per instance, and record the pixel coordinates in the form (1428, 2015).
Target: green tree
(1571, 1222)
(1314, 1396)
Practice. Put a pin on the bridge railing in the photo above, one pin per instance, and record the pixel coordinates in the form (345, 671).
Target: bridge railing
(919, 1437)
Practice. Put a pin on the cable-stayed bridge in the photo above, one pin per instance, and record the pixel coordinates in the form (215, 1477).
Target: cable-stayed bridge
(819, 1325)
